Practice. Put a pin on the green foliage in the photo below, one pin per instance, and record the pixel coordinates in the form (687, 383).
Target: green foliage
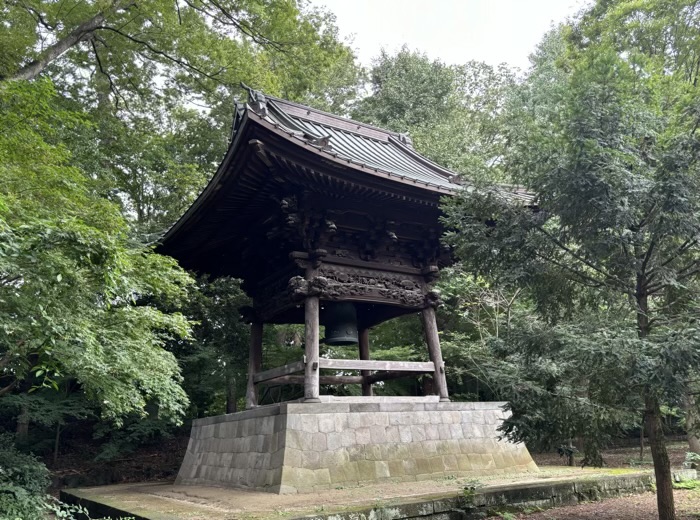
(47, 408)
(143, 48)
(73, 285)
(602, 133)
(453, 113)
(135, 432)
(23, 482)
(125, 117)
(217, 356)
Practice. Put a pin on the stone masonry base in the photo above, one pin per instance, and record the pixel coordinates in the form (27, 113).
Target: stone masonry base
(302, 447)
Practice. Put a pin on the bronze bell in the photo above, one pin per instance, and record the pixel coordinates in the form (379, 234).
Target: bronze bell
(340, 320)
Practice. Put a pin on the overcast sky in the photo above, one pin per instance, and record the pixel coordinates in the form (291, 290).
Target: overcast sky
(455, 31)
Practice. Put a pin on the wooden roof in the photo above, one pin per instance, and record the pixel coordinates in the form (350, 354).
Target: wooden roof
(277, 144)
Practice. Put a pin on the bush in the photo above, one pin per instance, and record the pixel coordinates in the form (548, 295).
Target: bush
(23, 483)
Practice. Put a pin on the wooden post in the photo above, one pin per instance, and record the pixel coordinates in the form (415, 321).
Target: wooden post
(364, 354)
(433, 340)
(254, 363)
(311, 371)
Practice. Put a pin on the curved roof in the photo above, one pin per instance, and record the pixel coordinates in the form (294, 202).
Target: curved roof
(279, 143)
(352, 141)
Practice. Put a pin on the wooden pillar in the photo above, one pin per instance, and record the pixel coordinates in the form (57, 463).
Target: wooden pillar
(433, 340)
(311, 370)
(254, 363)
(364, 354)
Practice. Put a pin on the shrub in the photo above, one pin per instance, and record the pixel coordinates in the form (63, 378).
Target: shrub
(23, 483)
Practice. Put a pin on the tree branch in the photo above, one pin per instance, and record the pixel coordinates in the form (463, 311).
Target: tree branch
(578, 257)
(8, 388)
(112, 86)
(35, 67)
(158, 52)
(685, 246)
(584, 277)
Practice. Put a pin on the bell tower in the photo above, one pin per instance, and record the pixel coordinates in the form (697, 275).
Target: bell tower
(334, 223)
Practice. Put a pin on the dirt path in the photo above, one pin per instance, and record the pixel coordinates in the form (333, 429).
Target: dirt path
(635, 507)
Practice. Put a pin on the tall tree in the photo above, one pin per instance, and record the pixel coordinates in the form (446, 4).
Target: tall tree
(611, 156)
(201, 40)
(452, 113)
(139, 69)
(73, 285)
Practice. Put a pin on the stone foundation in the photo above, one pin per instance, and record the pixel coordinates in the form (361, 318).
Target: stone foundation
(302, 447)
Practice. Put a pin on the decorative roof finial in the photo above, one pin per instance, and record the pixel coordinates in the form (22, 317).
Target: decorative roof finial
(256, 100)
(406, 139)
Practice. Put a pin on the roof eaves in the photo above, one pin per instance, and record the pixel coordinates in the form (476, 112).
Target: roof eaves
(448, 174)
(213, 184)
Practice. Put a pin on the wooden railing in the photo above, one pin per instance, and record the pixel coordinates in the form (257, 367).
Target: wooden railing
(383, 370)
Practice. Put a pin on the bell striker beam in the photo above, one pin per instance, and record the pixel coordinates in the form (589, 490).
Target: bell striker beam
(433, 341)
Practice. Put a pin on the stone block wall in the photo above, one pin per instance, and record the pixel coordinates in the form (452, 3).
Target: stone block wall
(244, 449)
(300, 447)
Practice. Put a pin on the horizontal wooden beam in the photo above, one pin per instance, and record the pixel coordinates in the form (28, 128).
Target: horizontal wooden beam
(386, 376)
(324, 380)
(364, 364)
(291, 368)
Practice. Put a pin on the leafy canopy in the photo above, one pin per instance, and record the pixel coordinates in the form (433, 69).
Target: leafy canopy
(72, 283)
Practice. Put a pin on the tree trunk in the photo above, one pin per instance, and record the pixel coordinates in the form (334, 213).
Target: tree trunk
(662, 464)
(652, 416)
(570, 456)
(231, 400)
(34, 68)
(23, 424)
(56, 443)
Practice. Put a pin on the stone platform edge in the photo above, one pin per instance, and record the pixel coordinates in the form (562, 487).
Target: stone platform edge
(350, 407)
(309, 447)
(466, 505)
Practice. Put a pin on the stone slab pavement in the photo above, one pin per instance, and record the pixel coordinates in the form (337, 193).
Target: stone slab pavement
(161, 501)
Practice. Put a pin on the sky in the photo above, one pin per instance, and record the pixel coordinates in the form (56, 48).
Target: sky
(454, 31)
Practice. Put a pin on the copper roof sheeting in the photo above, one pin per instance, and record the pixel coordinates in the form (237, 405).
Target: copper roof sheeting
(362, 144)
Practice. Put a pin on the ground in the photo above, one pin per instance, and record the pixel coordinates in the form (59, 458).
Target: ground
(161, 462)
(164, 501)
(634, 507)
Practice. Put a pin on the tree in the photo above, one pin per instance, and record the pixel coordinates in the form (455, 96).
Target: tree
(202, 39)
(73, 285)
(137, 69)
(611, 254)
(129, 106)
(452, 113)
(664, 34)
(215, 362)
